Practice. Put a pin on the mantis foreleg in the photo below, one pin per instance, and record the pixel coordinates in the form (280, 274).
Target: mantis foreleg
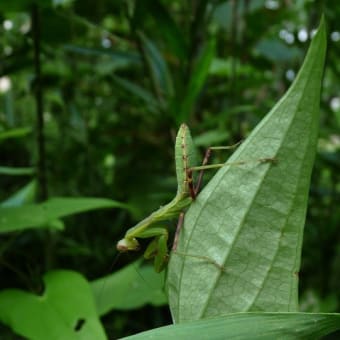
(158, 247)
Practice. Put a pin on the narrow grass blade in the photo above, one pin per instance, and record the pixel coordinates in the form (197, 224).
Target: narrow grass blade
(255, 326)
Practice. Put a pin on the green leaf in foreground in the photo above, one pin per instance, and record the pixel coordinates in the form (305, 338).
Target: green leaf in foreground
(240, 247)
(261, 326)
(39, 215)
(66, 310)
(129, 288)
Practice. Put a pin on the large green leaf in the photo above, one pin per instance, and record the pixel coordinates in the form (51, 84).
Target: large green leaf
(38, 215)
(129, 288)
(66, 310)
(261, 326)
(240, 247)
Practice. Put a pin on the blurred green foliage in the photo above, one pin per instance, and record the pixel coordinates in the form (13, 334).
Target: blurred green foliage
(117, 78)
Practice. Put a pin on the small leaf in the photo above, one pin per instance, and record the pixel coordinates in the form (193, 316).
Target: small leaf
(137, 91)
(38, 215)
(22, 5)
(11, 171)
(197, 80)
(211, 137)
(240, 247)
(129, 288)
(164, 23)
(255, 326)
(66, 310)
(277, 51)
(24, 195)
(223, 12)
(160, 73)
(121, 59)
(15, 133)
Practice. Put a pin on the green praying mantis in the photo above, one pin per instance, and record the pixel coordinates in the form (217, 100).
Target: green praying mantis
(186, 163)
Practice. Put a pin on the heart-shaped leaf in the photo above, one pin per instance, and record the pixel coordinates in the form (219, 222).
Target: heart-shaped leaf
(66, 310)
(129, 288)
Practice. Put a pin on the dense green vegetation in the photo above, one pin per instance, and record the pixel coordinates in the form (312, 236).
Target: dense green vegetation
(91, 97)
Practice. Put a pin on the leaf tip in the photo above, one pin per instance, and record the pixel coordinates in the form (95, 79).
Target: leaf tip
(321, 31)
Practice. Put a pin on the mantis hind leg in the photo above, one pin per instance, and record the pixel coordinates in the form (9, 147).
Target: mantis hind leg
(195, 188)
(178, 229)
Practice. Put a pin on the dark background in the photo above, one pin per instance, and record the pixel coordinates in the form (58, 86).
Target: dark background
(118, 77)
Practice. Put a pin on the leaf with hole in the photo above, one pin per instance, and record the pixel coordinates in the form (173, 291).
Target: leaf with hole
(66, 310)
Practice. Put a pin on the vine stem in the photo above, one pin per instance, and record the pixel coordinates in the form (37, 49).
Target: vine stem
(41, 164)
(42, 193)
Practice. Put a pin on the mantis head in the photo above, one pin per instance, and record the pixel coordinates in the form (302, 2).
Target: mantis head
(127, 245)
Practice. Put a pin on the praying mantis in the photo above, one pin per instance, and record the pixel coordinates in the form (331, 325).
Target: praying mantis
(186, 163)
